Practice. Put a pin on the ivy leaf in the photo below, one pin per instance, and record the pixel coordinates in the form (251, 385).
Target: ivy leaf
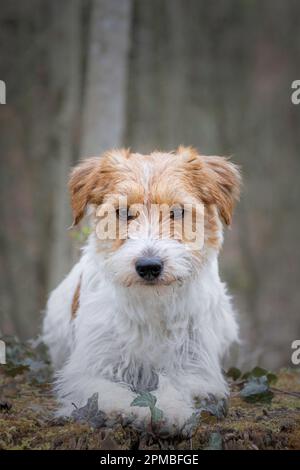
(144, 399)
(272, 378)
(234, 373)
(255, 372)
(156, 415)
(260, 372)
(257, 390)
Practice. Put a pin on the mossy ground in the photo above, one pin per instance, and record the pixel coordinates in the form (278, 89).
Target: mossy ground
(26, 422)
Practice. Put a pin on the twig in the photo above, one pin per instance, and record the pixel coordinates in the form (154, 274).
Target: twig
(273, 389)
(285, 392)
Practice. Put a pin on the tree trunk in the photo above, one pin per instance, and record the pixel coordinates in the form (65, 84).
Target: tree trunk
(104, 110)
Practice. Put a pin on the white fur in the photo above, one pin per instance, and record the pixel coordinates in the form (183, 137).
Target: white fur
(125, 331)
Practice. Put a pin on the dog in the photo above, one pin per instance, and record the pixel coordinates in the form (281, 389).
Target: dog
(142, 312)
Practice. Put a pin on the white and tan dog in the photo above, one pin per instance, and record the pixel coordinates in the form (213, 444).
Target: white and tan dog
(145, 312)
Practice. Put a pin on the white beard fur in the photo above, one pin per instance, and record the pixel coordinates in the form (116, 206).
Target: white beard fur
(169, 340)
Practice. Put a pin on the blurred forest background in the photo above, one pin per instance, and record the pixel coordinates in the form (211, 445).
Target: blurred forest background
(86, 75)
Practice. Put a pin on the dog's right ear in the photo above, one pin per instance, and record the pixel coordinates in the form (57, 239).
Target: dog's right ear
(82, 182)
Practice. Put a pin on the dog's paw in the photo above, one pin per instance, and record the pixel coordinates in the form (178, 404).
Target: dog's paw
(175, 415)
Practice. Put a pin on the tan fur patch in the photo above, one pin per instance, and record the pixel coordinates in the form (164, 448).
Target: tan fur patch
(76, 299)
(212, 227)
(91, 180)
(214, 180)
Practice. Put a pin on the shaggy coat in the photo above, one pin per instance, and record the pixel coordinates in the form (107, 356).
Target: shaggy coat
(111, 331)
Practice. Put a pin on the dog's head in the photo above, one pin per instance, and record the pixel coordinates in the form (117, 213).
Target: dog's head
(157, 216)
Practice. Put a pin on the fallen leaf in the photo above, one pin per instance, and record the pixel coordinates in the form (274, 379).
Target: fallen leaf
(257, 390)
(90, 413)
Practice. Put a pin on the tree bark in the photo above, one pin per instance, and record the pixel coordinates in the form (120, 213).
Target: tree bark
(104, 113)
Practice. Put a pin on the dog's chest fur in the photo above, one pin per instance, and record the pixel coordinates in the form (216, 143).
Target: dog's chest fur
(133, 336)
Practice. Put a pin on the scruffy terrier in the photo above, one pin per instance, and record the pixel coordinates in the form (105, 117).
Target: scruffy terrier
(144, 309)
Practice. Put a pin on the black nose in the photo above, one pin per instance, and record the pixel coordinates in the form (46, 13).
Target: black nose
(149, 268)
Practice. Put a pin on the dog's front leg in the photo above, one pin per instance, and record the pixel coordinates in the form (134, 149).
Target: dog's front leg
(177, 396)
(113, 397)
(201, 385)
(176, 406)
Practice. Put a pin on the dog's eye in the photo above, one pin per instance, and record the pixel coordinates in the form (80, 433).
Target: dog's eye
(123, 214)
(176, 213)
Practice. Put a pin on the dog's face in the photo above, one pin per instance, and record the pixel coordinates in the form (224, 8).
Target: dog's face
(160, 214)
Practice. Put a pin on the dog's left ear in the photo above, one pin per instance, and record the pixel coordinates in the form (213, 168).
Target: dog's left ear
(224, 186)
(215, 180)
(82, 182)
